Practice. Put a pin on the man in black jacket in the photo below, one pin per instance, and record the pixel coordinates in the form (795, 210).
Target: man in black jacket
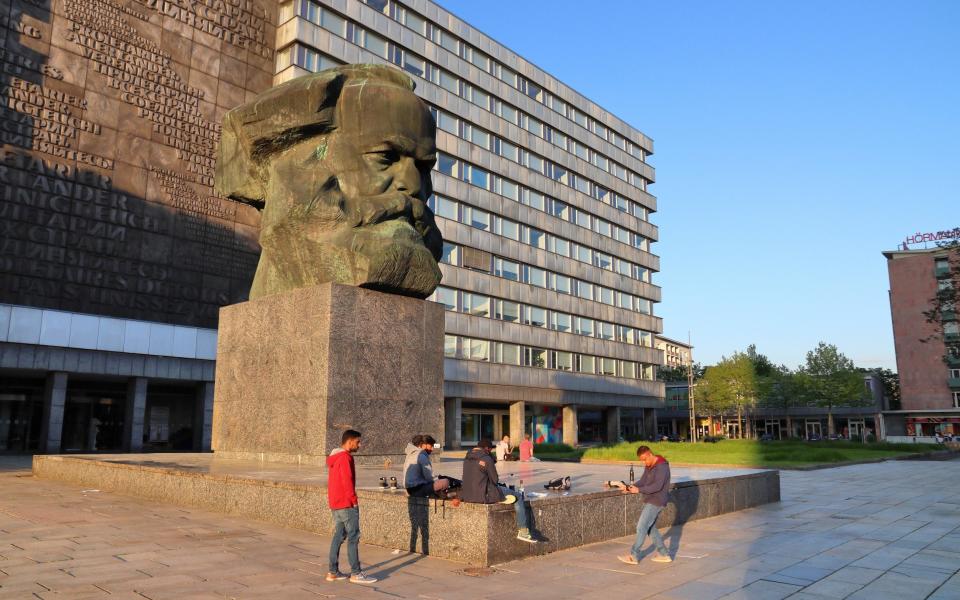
(481, 485)
(654, 484)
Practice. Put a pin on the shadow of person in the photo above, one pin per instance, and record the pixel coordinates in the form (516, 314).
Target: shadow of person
(685, 501)
(418, 511)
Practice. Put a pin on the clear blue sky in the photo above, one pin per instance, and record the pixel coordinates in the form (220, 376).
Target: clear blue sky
(793, 143)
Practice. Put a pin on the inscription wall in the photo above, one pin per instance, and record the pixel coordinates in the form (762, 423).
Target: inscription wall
(110, 116)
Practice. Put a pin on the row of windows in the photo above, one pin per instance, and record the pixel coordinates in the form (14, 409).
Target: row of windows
(457, 346)
(480, 305)
(471, 258)
(484, 62)
(501, 147)
(487, 221)
(459, 169)
(420, 67)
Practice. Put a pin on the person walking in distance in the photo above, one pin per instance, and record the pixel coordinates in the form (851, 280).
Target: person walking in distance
(654, 485)
(342, 497)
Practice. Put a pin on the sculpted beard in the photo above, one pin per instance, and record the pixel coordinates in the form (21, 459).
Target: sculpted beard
(391, 239)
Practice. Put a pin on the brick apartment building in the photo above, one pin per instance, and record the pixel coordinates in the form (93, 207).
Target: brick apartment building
(928, 356)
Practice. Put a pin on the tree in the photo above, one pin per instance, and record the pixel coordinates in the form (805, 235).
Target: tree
(831, 379)
(942, 313)
(891, 387)
(730, 385)
(679, 373)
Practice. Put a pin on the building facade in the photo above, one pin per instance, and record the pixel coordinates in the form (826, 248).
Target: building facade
(116, 253)
(542, 198)
(928, 354)
(675, 353)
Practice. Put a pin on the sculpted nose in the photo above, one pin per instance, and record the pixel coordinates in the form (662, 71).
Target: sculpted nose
(406, 178)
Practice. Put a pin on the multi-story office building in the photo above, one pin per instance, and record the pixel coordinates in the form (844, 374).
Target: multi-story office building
(542, 199)
(928, 354)
(675, 353)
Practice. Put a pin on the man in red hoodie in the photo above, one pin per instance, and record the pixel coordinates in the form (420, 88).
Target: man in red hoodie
(654, 486)
(342, 496)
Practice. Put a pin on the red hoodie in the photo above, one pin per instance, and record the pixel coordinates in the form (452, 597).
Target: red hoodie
(341, 480)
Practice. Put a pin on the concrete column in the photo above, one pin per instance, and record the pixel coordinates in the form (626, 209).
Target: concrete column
(570, 425)
(649, 422)
(452, 414)
(54, 400)
(136, 414)
(612, 415)
(203, 417)
(518, 410)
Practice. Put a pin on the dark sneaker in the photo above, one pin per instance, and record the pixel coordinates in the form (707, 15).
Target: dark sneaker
(362, 579)
(338, 576)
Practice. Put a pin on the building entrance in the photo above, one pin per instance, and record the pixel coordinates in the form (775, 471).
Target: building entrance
(814, 429)
(93, 417)
(480, 424)
(772, 428)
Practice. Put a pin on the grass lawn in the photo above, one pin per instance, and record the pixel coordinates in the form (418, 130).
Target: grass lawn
(747, 453)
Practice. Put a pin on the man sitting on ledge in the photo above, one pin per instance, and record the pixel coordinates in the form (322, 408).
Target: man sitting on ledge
(418, 470)
(481, 484)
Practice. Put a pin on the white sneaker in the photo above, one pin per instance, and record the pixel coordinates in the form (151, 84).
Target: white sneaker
(362, 579)
(663, 558)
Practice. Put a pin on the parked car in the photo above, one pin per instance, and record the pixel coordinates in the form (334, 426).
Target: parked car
(814, 437)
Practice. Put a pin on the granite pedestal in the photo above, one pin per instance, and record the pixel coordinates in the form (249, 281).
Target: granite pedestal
(295, 496)
(296, 369)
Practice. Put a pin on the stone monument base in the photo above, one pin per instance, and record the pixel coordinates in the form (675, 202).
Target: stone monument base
(296, 369)
(475, 534)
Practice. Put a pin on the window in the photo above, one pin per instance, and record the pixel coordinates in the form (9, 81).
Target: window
(561, 246)
(581, 218)
(478, 218)
(561, 321)
(628, 369)
(956, 399)
(586, 364)
(333, 23)
(535, 276)
(479, 177)
(624, 300)
(624, 268)
(604, 261)
(448, 123)
(584, 254)
(559, 209)
(506, 269)
(605, 295)
(450, 346)
(608, 366)
(414, 64)
(476, 305)
(644, 306)
(478, 349)
(451, 254)
(448, 165)
(508, 354)
(604, 330)
(584, 290)
(585, 326)
(602, 227)
(509, 189)
(536, 200)
(534, 357)
(446, 208)
(376, 44)
(536, 238)
(508, 150)
(449, 83)
(447, 297)
(534, 316)
(563, 361)
(508, 311)
(509, 229)
(954, 373)
(480, 137)
(562, 284)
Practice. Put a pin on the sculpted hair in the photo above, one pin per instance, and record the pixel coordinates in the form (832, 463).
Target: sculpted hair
(303, 108)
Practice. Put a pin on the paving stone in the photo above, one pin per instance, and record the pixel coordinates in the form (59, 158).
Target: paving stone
(832, 588)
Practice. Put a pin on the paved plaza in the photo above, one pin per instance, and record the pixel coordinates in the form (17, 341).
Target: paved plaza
(874, 531)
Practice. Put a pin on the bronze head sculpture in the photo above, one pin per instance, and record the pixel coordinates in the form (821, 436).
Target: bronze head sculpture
(339, 162)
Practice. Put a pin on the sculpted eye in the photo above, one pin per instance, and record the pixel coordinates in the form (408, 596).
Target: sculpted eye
(385, 157)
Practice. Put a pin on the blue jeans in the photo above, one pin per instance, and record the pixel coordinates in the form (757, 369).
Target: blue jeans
(520, 507)
(647, 524)
(346, 526)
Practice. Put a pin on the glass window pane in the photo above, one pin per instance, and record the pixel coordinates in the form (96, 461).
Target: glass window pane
(536, 200)
(451, 254)
(446, 208)
(450, 346)
(608, 366)
(559, 209)
(584, 254)
(538, 238)
(509, 189)
(587, 364)
(584, 290)
(479, 349)
(508, 150)
(585, 326)
(535, 357)
(508, 311)
(582, 218)
(605, 330)
(416, 23)
(447, 297)
(449, 82)
(476, 305)
(448, 123)
(479, 218)
(479, 177)
(510, 229)
(605, 295)
(333, 23)
(533, 315)
(562, 284)
(561, 321)
(536, 276)
(563, 361)
(508, 354)
(480, 137)
(507, 269)
(561, 246)
(376, 44)
(448, 165)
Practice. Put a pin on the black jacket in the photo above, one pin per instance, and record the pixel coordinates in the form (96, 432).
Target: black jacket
(480, 478)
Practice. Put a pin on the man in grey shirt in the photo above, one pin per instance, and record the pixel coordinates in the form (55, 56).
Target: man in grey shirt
(654, 485)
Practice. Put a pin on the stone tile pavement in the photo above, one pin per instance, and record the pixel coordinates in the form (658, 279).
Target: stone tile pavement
(875, 531)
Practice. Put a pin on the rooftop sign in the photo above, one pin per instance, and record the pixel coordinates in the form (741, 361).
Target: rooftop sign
(922, 238)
